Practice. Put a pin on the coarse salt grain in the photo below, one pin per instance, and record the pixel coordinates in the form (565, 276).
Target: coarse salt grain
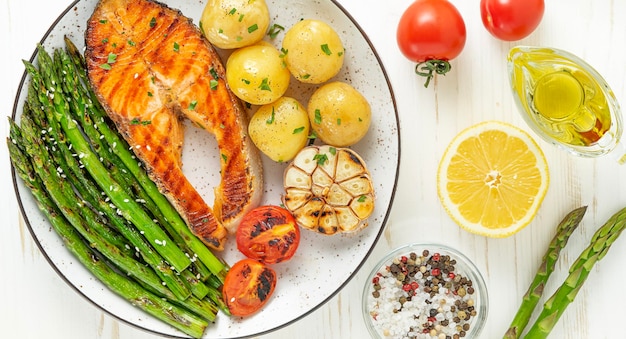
(412, 319)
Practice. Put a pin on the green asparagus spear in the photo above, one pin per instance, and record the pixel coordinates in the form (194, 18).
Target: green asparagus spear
(80, 107)
(535, 290)
(131, 209)
(216, 297)
(64, 159)
(76, 98)
(170, 313)
(202, 308)
(600, 243)
(121, 149)
(76, 212)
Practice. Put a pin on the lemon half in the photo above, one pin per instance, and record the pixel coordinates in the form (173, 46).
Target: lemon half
(492, 179)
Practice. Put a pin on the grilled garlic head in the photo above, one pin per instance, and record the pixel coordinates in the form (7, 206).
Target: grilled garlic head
(329, 190)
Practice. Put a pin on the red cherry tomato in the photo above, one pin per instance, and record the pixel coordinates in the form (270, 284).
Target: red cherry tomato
(269, 234)
(248, 286)
(511, 20)
(431, 32)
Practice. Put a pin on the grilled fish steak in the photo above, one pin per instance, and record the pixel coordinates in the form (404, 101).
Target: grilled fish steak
(151, 67)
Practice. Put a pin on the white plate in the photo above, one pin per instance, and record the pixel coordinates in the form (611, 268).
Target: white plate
(323, 264)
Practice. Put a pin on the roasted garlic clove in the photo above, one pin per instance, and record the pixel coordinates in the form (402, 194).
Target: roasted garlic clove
(329, 190)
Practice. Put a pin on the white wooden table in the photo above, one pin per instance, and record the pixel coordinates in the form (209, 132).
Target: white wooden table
(36, 303)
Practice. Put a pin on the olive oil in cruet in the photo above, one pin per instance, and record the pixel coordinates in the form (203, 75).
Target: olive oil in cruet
(565, 100)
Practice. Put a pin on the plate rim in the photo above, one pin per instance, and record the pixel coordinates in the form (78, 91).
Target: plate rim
(383, 225)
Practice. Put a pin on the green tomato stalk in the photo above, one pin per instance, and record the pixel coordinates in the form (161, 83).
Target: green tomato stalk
(429, 67)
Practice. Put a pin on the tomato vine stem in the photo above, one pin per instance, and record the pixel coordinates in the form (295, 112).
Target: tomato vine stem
(429, 67)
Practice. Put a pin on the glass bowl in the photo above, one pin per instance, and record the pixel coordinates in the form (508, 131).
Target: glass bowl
(425, 291)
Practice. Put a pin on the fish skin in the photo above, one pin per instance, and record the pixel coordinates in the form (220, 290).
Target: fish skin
(160, 71)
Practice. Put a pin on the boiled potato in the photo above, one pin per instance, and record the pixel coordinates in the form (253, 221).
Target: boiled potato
(339, 114)
(314, 51)
(257, 74)
(281, 129)
(230, 24)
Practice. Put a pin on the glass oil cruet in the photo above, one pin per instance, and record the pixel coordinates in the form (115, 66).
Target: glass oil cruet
(566, 101)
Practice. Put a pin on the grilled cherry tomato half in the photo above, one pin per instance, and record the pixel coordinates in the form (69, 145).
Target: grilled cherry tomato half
(511, 20)
(431, 32)
(269, 234)
(248, 286)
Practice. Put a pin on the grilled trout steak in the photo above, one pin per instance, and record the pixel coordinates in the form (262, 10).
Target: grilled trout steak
(151, 67)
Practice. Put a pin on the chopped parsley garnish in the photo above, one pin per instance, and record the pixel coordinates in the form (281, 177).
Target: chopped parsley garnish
(298, 130)
(192, 105)
(103, 21)
(240, 17)
(321, 159)
(340, 53)
(111, 58)
(105, 40)
(224, 157)
(136, 121)
(362, 198)
(265, 86)
(152, 22)
(326, 50)
(131, 43)
(274, 30)
(306, 76)
(246, 81)
(283, 54)
(176, 46)
(213, 73)
(152, 79)
(239, 38)
(318, 116)
(253, 28)
(149, 94)
(233, 11)
(332, 150)
(271, 118)
(213, 83)
(338, 121)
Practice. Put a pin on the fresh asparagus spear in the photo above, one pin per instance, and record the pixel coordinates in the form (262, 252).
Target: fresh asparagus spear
(81, 106)
(76, 212)
(72, 88)
(535, 290)
(202, 308)
(63, 158)
(132, 210)
(600, 243)
(172, 314)
(121, 149)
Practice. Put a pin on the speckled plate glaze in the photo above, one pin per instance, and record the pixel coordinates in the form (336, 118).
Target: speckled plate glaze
(323, 264)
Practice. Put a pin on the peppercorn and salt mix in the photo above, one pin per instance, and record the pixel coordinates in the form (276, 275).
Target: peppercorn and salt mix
(421, 295)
